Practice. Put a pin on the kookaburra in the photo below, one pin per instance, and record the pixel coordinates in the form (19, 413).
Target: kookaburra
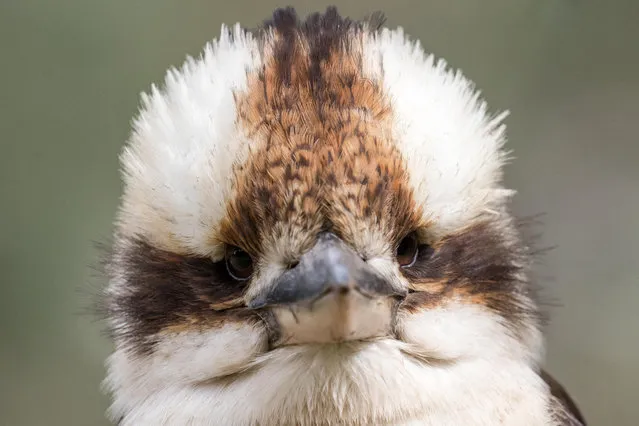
(314, 230)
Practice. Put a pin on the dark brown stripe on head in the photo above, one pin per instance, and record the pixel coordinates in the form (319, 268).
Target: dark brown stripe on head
(322, 154)
(478, 265)
(323, 33)
(164, 290)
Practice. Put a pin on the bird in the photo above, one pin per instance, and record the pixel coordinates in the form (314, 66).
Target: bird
(314, 230)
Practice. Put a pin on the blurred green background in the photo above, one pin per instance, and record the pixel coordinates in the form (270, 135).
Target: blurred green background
(71, 72)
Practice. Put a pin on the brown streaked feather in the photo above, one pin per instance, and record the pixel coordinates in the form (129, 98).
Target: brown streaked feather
(322, 153)
(568, 413)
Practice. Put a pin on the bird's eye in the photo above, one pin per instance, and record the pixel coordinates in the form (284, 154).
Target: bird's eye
(407, 251)
(239, 263)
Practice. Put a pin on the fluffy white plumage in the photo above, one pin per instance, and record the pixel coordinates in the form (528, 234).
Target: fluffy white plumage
(178, 162)
(451, 144)
(454, 364)
(489, 379)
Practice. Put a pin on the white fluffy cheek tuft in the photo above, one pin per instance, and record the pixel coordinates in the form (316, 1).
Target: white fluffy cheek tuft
(181, 359)
(459, 331)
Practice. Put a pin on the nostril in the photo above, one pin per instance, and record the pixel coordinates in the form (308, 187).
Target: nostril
(292, 265)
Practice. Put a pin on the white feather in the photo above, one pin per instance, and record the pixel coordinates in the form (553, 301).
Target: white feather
(457, 365)
(178, 163)
(451, 146)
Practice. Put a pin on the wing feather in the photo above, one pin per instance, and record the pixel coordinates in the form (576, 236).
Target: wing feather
(563, 406)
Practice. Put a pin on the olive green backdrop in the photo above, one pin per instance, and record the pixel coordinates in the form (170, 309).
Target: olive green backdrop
(70, 75)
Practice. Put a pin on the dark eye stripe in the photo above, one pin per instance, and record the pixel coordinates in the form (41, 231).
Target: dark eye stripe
(164, 289)
(479, 263)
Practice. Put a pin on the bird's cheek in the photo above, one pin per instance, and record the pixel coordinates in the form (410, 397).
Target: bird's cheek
(197, 355)
(453, 330)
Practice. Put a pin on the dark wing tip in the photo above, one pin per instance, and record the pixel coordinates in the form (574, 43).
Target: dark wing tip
(560, 393)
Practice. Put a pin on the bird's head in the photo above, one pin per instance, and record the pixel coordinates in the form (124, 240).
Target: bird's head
(312, 211)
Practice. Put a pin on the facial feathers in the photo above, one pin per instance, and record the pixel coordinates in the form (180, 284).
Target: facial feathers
(269, 140)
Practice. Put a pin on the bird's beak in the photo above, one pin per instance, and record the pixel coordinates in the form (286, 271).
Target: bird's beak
(331, 295)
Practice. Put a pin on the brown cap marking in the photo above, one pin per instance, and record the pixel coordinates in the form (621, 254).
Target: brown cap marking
(323, 155)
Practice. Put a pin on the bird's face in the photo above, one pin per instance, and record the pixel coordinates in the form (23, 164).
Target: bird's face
(313, 222)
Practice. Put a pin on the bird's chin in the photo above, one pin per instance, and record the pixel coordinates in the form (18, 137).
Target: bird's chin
(335, 358)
